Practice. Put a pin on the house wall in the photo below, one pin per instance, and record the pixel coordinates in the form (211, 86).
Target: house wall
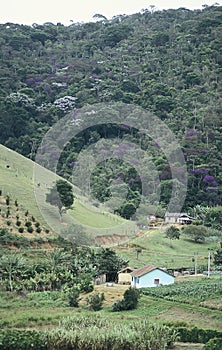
(124, 278)
(171, 220)
(148, 279)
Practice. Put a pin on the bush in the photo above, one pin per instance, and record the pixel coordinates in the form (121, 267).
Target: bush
(214, 344)
(7, 200)
(73, 297)
(28, 223)
(22, 340)
(129, 301)
(18, 223)
(95, 301)
(30, 229)
(196, 335)
(38, 230)
(8, 222)
(21, 229)
(119, 305)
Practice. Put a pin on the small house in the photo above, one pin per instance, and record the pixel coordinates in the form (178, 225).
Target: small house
(124, 275)
(178, 218)
(150, 276)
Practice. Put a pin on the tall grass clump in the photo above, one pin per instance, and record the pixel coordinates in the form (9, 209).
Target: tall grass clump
(96, 333)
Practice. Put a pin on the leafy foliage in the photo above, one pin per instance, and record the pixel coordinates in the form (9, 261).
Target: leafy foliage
(109, 263)
(194, 232)
(167, 62)
(218, 256)
(61, 195)
(95, 301)
(97, 333)
(129, 301)
(172, 232)
(187, 292)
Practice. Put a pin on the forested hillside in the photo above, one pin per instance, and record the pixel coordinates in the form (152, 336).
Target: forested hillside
(167, 62)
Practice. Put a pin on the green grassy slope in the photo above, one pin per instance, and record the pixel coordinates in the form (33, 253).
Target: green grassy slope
(157, 250)
(16, 180)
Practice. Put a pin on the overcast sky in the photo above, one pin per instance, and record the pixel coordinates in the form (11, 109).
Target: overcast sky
(65, 11)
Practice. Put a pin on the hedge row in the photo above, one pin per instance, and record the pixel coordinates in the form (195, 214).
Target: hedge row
(11, 339)
(197, 335)
(36, 340)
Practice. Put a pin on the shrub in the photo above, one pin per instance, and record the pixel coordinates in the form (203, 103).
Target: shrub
(22, 340)
(119, 305)
(214, 344)
(28, 223)
(95, 301)
(26, 213)
(21, 229)
(18, 223)
(38, 230)
(30, 229)
(16, 203)
(73, 297)
(129, 301)
(7, 200)
(37, 224)
(8, 222)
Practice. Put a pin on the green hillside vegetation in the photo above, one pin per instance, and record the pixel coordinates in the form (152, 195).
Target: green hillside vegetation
(167, 62)
(17, 182)
(156, 249)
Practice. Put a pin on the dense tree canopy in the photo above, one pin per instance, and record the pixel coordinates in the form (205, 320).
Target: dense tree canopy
(168, 62)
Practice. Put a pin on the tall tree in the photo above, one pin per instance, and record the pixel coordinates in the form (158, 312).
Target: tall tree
(61, 195)
(109, 263)
(172, 232)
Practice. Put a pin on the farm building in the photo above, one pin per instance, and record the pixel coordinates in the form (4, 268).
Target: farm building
(150, 276)
(178, 218)
(124, 275)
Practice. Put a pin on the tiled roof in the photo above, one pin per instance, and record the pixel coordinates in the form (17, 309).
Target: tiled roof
(143, 270)
(146, 269)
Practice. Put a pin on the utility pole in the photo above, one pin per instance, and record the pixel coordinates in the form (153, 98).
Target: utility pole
(208, 269)
(195, 263)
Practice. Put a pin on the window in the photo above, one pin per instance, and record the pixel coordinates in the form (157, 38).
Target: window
(156, 281)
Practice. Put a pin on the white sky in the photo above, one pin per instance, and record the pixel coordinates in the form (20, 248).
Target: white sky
(65, 11)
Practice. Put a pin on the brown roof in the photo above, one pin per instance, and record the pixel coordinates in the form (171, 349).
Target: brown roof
(146, 269)
(127, 268)
(143, 270)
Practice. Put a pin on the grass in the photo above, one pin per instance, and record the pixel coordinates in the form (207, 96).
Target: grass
(157, 250)
(16, 180)
(46, 309)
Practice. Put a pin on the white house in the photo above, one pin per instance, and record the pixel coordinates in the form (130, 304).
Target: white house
(150, 276)
(178, 218)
